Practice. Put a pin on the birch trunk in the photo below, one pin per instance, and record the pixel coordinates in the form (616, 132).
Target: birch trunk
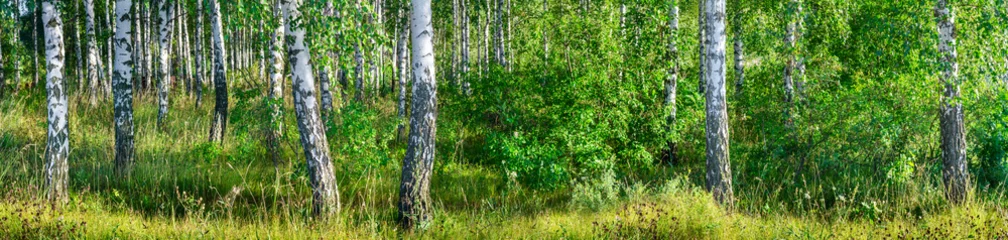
(167, 17)
(673, 77)
(276, 83)
(325, 194)
(92, 50)
(789, 68)
(218, 125)
(403, 72)
(57, 145)
(35, 51)
(79, 68)
(953, 138)
(122, 90)
(198, 38)
(465, 47)
(109, 7)
(414, 190)
(324, 94)
(719, 178)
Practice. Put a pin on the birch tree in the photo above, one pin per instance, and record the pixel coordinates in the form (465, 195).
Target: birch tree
(164, 84)
(198, 48)
(953, 137)
(325, 194)
(218, 125)
(57, 144)
(92, 50)
(671, 81)
(414, 189)
(122, 89)
(403, 69)
(719, 178)
(276, 82)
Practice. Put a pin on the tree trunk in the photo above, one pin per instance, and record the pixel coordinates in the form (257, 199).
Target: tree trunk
(701, 46)
(57, 145)
(403, 71)
(325, 194)
(953, 137)
(79, 67)
(414, 190)
(167, 17)
(508, 52)
(499, 32)
(122, 90)
(92, 50)
(110, 48)
(673, 77)
(719, 178)
(38, 41)
(198, 75)
(276, 84)
(218, 125)
(465, 47)
(324, 94)
(789, 68)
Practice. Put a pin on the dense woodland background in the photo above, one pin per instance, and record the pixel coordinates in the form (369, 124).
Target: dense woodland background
(551, 120)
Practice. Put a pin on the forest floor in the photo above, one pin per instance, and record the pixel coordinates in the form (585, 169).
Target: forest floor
(184, 187)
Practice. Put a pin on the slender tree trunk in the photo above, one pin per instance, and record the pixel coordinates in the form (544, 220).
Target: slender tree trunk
(164, 85)
(508, 52)
(198, 76)
(122, 90)
(325, 194)
(465, 47)
(673, 77)
(109, 7)
(57, 145)
(276, 84)
(403, 71)
(324, 94)
(953, 138)
(92, 50)
(35, 52)
(799, 50)
(218, 125)
(79, 67)
(789, 68)
(499, 33)
(719, 178)
(414, 190)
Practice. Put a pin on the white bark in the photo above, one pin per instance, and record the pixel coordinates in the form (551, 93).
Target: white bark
(166, 15)
(955, 174)
(122, 90)
(325, 194)
(218, 125)
(57, 144)
(719, 178)
(673, 76)
(92, 50)
(414, 190)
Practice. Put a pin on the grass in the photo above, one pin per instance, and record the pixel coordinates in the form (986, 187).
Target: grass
(184, 187)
